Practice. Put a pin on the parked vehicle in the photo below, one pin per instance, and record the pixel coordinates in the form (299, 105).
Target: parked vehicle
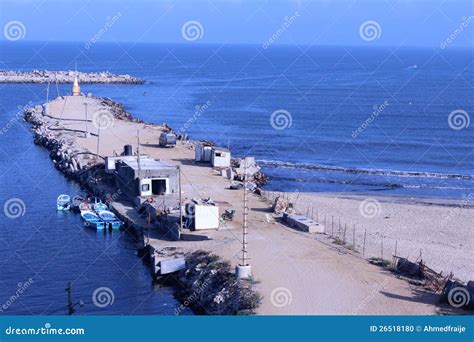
(167, 139)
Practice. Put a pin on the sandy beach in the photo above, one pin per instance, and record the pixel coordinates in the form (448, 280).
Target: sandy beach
(437, 231)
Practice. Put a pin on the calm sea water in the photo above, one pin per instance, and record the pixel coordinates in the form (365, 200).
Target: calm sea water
(227, 94)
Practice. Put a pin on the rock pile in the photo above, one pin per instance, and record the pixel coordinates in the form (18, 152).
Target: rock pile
(246, 167)
(209, 287)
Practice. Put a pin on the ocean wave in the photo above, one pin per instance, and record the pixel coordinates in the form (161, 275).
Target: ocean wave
(379, 185)
(377, 172)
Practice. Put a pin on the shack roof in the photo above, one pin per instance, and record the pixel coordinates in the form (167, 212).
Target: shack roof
(148, 164)
(221, 149)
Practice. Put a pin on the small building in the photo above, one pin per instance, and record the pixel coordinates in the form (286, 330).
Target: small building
(147, 178)
(203, 153)
(220, 157)
(111, 161)
(201, 216)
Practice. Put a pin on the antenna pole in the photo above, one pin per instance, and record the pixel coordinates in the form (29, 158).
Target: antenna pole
(244, 270)
(245, 214)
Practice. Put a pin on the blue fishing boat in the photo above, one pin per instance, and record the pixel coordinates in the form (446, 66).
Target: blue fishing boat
(92, 220)
(110, 220)
(63, 202)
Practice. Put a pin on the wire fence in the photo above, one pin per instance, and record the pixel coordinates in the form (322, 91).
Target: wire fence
(368, 243)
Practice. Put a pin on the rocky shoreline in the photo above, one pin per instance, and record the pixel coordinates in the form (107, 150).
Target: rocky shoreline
(47, 76)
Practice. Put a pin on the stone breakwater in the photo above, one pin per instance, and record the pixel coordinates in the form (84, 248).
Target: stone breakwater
(68, 157)
(46, 76)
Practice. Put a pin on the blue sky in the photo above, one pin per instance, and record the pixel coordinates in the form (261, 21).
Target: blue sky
(317, 22)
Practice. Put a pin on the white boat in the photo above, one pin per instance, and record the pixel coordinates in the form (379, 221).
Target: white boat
(63, 202)
(92, 220)
(99, 206)
(110, 220)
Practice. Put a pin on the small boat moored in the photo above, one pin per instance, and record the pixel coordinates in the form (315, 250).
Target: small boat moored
(63, 202)
(92, 220)
(110, 220)
(77, 200)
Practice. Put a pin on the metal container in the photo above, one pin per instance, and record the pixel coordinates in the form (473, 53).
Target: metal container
(127, 150)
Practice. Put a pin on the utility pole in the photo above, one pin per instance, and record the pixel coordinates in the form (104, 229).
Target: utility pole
(70, 305)
(138, 153)
(87, 129)
(180, 204)
(98, 138)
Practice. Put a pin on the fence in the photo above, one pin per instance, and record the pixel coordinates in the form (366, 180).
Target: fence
(368, 244)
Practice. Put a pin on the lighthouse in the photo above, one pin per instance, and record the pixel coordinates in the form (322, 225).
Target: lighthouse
(76, 89)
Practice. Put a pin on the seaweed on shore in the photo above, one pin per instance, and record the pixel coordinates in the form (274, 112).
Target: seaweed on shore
(209, 287)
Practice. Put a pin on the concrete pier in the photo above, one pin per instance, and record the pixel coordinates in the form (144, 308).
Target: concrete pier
(313, 278)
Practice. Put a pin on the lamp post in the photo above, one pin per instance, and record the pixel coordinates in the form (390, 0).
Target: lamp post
(87, 129)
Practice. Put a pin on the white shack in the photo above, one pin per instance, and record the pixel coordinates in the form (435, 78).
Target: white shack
(202, 216)
(203, 153)
(220, 157)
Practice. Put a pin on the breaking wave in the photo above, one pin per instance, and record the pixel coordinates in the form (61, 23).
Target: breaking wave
(361, 171)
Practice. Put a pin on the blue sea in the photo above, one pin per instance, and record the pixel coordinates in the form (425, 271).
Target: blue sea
(322, 96)
(352, 120)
